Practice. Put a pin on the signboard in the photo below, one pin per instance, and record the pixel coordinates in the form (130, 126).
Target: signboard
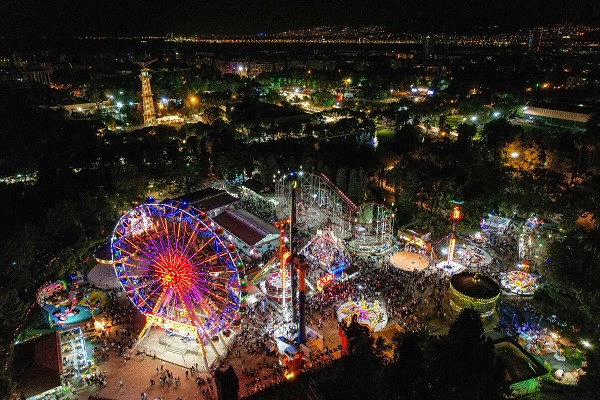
(324, 281)
(169, 324)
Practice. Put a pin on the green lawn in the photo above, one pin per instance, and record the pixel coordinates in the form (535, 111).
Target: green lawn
(384, 132)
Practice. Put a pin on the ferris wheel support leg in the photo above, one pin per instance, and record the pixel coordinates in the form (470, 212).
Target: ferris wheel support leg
(144, 329)
(212, 345)
(203, 352)
(209, 341)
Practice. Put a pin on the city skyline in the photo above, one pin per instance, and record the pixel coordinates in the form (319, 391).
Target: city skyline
(25, 20)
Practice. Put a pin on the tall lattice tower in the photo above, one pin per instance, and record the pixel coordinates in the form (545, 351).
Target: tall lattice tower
(147, 102)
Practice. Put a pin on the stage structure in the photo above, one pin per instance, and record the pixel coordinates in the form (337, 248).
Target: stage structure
(319, 203)
(178, 268)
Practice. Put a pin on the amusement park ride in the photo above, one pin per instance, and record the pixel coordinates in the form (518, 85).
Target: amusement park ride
(455, 218)
(293, 265)
(365, 229)
(180, 271)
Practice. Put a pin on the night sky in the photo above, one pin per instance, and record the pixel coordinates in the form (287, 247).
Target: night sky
(64, 18)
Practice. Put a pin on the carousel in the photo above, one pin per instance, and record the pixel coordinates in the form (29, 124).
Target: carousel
(519, 282)
(472, 290)
(370, 313)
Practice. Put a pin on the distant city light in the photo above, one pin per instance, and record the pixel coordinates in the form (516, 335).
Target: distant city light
(496, 114)
(430, 92)
(524, 108)
(414, 89)
(119, 104)
(587, 344)
(514, 154)
(474, 118)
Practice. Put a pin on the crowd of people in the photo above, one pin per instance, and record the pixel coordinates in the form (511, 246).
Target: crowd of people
(412, 297)
(258, 206)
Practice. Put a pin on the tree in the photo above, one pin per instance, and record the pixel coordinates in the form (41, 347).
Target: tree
(354, 187)
(590, 382)
(212, 114)
(497, 133)
(341, 179)
(466, 133)
(467, 327)
(463, 364)
(575, 268)
(322, 99)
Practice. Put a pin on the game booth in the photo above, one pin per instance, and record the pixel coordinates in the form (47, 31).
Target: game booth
(65, 307)
(496, 223)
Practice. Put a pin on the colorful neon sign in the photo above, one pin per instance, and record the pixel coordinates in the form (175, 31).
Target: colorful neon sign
(171, 325)
(324, 280)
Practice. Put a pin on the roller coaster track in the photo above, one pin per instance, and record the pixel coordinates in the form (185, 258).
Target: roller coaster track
(351, 206)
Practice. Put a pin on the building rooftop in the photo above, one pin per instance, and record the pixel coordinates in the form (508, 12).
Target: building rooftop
(518, 364)
(207, 199)
(475, 285)
(37, 364)
(245, 226)
(254, 185)
(574, 108)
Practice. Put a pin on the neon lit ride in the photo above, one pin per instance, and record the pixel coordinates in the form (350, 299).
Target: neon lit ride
(178, 269)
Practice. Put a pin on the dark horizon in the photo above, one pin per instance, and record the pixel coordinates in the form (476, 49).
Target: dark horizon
(26, 20)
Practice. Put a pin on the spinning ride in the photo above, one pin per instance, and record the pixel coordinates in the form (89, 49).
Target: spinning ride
(519, 282)
(369, 313)
(179, 270)
(66, 307)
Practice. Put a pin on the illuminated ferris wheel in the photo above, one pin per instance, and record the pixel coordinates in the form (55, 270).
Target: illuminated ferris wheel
(178, 269)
